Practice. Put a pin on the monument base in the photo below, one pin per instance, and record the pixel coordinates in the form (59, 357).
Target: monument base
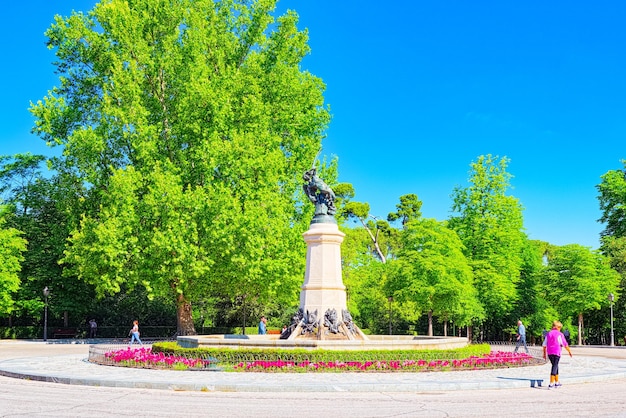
(323, 313)
(374, 342)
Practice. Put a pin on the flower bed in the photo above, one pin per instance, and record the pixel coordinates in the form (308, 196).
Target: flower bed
(144, 357)
(492, 360)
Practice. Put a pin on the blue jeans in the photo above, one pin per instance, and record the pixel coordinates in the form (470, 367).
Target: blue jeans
(522, 340)
(135, 336)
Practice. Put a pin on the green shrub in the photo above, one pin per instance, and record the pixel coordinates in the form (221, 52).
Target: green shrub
(232, 356)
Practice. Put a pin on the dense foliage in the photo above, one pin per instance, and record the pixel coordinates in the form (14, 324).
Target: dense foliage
(188, 125)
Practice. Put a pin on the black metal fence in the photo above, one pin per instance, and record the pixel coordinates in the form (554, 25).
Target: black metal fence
(536, 351)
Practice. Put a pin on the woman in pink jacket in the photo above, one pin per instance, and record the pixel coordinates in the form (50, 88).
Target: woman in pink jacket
(552, 344)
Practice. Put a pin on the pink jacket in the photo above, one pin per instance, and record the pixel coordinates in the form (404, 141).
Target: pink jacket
(554, 341)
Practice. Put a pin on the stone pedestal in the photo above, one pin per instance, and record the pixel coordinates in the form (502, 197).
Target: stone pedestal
(323, 287)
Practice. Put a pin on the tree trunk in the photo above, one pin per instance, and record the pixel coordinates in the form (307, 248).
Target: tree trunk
(374, 240)
(184, 317)
(445, 329)
(580, 329)
(430, 323)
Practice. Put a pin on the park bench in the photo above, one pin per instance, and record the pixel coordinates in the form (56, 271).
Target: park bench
(64, 332)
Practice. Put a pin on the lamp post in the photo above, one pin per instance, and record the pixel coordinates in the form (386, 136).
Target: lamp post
(390, 299)
(611, 299)
(244, 314)
(46, 293)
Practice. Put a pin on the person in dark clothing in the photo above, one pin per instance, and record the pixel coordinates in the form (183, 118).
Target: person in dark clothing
(93, 328)
(566, 335)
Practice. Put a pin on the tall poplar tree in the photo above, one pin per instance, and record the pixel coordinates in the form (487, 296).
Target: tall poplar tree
(189, 124)
(490, 225)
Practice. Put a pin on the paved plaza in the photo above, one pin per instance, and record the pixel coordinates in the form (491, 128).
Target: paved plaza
(55, 380)
(67, 363)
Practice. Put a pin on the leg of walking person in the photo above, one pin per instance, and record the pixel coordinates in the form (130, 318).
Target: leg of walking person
(554, 371)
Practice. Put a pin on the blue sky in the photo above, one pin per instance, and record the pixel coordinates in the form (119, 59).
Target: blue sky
(418, 90)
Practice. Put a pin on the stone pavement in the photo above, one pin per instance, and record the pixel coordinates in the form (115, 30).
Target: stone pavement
(67, 363)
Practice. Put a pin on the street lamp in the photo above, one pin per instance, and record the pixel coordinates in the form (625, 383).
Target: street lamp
(390, 299)
(244, 314)
(611, 299)
(46, 293)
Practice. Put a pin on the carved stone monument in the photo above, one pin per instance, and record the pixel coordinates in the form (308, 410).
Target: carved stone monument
(323, 312)
(322, 320)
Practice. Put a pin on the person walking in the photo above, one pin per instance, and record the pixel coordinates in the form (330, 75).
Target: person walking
(263, 326)
(567, 335)
(134, 334)
(521, 336)
(552, 345)
(93, 328)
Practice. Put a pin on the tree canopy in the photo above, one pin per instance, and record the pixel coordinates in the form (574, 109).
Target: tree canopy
(490, 225)
(188, 124)
(579, 280)
(612, 199)
(12, 245)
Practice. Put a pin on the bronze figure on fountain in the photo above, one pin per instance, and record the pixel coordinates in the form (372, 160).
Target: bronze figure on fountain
(321, 195)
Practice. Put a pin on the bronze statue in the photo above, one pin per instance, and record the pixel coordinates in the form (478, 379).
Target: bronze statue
(310, 322)
(331, 321)
(319, 193)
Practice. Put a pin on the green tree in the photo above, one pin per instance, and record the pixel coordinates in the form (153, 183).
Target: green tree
(188, 123)
(363, 276)
(489, 223)
(433, 274)
(612, 200)
(532, 307)
(409, 208)
(12, 245)
(34, 201)
(615, 249)
(578, 280)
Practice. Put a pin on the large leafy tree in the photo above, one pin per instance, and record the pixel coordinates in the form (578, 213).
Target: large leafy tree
(612, 198)
(12, 245)
(434, 275)
(363, 276)
(532, 307)
(188, 123)
(615, 249)
(578, 280)
(34, 205)
(489, 223)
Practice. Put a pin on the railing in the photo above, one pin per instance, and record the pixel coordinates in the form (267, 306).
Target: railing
(534, 350)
